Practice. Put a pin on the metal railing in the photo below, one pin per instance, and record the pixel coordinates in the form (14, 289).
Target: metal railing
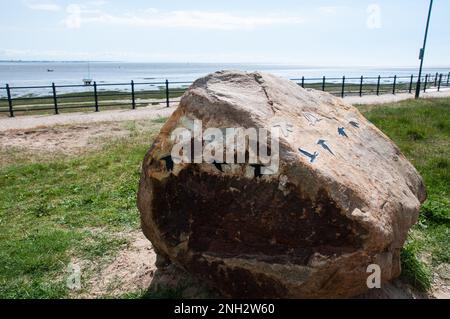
(345, 86)
(55, 98)
(141, 94)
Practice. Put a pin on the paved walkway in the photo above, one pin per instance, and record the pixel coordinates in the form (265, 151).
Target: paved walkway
(391, 98)
(30, 122)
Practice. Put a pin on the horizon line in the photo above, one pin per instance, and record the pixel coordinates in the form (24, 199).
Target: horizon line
(224, 63)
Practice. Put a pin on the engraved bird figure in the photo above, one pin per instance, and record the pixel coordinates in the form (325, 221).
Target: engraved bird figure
(341, 131)
(312, 157)
(311, 118)
(323, 143)
(354, 124)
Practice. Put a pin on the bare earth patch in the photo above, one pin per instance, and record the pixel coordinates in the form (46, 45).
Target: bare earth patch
(62, 139)
(441, 282)
(132, 270)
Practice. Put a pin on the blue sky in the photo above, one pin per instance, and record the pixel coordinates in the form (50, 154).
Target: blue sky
(315, 33)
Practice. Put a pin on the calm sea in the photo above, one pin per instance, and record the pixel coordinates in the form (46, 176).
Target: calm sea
(19, 74)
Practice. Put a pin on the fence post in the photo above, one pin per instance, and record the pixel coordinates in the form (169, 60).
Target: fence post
(426, 81)
(410, 84)
(55, 99)
(439, 83)
(96, 96)
(395, 82)
(378, 85)
(133, 100)
(343, 86)
(323, 84)
(448, 77)
(361, 86)
(303, 82)
(435, 79)
(167, 94)
(10, 104)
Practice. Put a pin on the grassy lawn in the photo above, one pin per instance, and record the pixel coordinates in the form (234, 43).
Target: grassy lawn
(55, 209)
(422, 131)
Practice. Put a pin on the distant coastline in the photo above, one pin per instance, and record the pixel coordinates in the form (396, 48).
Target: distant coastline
(232, 63)
(50, 61)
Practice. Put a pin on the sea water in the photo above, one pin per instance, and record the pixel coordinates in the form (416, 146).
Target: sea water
(26, 74)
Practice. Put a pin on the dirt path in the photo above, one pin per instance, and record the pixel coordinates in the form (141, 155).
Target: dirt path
(391, 98)
(39, 121)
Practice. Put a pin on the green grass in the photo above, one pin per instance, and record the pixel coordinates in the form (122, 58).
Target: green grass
(422, 131)
(56, 209)
(50, 211)
(416, 272)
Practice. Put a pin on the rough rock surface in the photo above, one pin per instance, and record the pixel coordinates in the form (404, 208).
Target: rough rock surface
(308, 231)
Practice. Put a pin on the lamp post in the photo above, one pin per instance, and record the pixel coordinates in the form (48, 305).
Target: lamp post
(422, 51)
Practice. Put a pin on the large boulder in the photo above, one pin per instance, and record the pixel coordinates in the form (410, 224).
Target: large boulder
(343, 197)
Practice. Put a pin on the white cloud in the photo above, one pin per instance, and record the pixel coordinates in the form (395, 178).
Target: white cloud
(43, 6)
(328, 10)
(97, 3)
(178, 19)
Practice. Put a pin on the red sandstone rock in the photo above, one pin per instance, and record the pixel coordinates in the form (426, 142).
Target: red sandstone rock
(309, 230)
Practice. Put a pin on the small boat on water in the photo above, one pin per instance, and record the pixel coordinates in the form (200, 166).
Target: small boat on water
(88, 80)
(50, 70)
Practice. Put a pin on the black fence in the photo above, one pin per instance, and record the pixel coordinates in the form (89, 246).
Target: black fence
(359, 86)
(57, 98)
